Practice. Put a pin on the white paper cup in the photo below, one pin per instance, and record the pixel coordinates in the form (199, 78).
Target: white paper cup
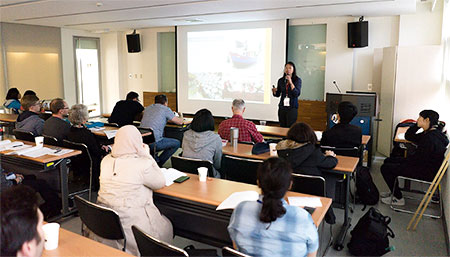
(39, 141)
(202, 173)
(51, 234)
(273, 149)
(262, 122)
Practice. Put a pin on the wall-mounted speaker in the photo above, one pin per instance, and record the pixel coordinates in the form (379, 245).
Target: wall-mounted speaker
(133, 43)
(358, 34)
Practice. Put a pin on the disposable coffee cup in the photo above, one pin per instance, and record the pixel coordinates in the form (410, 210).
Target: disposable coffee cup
(39, 141)
(273, 149)
(262, 122)
(51, 235)
(202, 173)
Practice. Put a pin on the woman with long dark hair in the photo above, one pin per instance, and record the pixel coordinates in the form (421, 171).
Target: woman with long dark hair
(12, 100)
(269, 226)
(288, 87)
(424, 162)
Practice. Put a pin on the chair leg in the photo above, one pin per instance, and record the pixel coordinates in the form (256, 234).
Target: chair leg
(429, 194)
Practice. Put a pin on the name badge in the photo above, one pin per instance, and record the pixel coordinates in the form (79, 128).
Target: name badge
(286, 101)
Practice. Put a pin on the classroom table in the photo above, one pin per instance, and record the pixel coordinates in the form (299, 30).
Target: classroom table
(101, 133)
(72, 244)
(191, 207)
(42, 165)
(7, 117)
(346, 165)
(282, 132)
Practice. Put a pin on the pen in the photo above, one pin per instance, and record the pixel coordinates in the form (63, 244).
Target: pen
(17, 146)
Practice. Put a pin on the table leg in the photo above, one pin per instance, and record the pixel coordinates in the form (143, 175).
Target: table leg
(339, 243)
(64, 187)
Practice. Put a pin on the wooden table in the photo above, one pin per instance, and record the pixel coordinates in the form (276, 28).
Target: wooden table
(42, 166)
(71, 244)
(191, 207)
(282, 132)
(346, 165)
(401, 130)
(6, 117)
(101, 133)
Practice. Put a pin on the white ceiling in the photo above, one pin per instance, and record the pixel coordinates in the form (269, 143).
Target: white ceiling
(115, 15)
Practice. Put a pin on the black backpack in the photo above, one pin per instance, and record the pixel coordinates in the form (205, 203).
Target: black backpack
(366, 191)
(370, 237)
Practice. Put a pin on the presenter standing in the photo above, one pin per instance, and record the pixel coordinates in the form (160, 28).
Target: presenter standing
(288, 87)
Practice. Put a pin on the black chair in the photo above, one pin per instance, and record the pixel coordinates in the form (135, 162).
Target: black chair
(313, 185)
(80, 165)
(228, 251)
(23, 135)
(240, 169)
(150, 246)
(190, 165)
(104, 222)
(49, 140)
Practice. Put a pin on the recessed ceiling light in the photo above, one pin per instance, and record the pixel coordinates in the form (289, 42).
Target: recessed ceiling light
(191, 20)
(99, 4)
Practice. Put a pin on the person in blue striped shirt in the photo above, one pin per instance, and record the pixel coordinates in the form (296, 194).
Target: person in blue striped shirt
(269, 226)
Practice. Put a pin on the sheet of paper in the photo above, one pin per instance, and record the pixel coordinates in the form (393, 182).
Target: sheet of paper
(23, 151)
(5, 142)
(10, 145)
(224, 142)
(318, 135)
(401, 136)
(110, 133)
(171, 174)
(38, 152)
(236, 198)
(97, 129)
(60, 152)
(305, 201)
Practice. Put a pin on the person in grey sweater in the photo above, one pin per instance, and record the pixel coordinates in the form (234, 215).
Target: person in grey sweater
(29, 120)
(200, 142)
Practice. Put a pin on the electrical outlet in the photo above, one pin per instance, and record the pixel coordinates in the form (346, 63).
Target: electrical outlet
(369, 87)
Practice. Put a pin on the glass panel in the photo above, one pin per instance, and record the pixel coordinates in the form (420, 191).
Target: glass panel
(166, 61)
(88, 80)
(307, 49)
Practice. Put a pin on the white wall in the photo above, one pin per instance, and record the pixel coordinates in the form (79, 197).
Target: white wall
(68, 62)
(112, 86)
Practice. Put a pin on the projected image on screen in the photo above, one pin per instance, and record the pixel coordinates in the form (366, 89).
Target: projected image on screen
(229, 64)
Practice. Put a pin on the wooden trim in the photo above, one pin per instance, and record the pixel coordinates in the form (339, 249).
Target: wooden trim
(149, 99)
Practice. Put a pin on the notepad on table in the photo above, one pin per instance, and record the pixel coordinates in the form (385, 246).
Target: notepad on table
(110, 133)
(236, 198)
(305, 201)
(171, 174)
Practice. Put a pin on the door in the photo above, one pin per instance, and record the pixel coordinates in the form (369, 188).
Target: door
(87, 56)
(387, 96)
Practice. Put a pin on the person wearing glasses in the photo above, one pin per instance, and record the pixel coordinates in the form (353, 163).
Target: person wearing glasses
(29, 120)
(56, 126)
(125, 111)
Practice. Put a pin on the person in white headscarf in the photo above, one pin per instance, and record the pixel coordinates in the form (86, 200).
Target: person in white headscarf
(128, 177)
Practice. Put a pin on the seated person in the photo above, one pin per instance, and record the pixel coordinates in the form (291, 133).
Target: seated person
(200, 142)
(78, 133)
(156, 117)
(12, 100)
(125, 111)
(29, 120)
(301, 151)
(247, 129)
(426, 160)
(127, 180)
(270, 226)
(56, 126)
(21, 223)
(52, 203)
(343, 134)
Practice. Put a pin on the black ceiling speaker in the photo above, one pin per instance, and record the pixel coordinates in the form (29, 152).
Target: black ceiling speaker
(358, 33)
(134, 43)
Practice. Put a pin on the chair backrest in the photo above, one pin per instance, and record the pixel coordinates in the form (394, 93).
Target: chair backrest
(308, 184)
(345, 151)
(190, 165)
(24, 135)
(49, 140)
(104, 222)
(240, 169)
(150, 138)
(150, 246)
(81, 164)
(228, 251)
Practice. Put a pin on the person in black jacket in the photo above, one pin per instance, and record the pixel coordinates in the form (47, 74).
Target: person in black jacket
(343, 134)
(78, 116)
(424, 163)
(125, 111)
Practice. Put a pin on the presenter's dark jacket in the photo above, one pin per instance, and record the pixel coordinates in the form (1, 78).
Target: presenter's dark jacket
(428, 157)
(342, 135)
(124, 112)
(292, 94)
